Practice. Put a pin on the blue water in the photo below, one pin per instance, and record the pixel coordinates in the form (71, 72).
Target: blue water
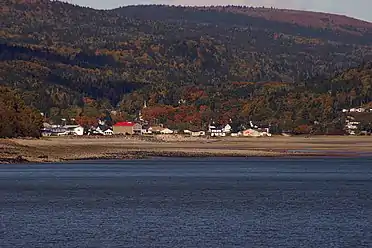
(188, 203)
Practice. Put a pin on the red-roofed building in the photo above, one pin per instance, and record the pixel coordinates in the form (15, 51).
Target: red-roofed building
(127, 128)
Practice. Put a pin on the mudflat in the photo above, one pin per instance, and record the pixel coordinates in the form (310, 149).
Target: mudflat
(55, 149)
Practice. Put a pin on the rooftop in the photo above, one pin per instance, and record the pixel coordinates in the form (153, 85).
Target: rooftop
(125, 124)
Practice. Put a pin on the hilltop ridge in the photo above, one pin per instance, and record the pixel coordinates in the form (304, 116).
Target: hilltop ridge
(303, 17)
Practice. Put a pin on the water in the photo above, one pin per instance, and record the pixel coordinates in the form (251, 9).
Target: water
(188, 203)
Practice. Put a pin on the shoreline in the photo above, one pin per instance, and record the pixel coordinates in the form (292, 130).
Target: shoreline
(54, 150)
(149, 155)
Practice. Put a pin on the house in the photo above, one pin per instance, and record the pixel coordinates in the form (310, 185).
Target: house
(93, 131)
(155, 129)
(74, 129)
(251, 133)
(127, 127)
(198, 133)
(351, 125)
(145, 129)
(186, 131)
(256, 132)
(46, 132)
(108, 132)
(166, 131)
(265, 131)
(216, 131)
(63, 133)
(227, 128)
(54, 130)
(59, 131)
(194, 132)
(102, 130)
(158, 130)
(47, 125)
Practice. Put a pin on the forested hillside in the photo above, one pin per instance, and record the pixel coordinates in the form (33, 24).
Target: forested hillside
(191, 65)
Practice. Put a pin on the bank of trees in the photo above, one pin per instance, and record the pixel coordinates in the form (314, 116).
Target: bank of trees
(16, 118)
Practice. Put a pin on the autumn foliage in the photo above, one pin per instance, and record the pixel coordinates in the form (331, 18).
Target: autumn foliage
(190, 65)
(17, 119)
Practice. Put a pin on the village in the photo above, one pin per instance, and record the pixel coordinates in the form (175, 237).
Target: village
(351, 127)
(140, 128)
(353, 121)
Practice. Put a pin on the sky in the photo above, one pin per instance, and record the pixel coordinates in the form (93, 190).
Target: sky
(360, 9)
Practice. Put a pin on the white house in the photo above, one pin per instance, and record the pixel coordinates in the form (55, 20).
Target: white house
(198, 133)
(78, 131)
(352, 110)
(216, 131)
(75, 129)
(218, 134)
(63, 133)
(155, 129)
(187, 131)
(166, 131)
(227, 128)
(103, 130)
(194, 133)
(47, 125)
(351, 125)
(108, 132)
(146, 131)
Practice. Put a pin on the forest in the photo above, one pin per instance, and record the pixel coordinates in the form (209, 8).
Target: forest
(17, 119)
(292, 70)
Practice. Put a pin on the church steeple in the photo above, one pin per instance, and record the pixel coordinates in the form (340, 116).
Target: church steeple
(140, 117)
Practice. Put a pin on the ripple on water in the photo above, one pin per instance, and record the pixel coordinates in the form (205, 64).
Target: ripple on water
(188, 203)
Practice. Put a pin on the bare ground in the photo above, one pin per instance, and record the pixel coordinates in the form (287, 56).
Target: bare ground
(74, 148)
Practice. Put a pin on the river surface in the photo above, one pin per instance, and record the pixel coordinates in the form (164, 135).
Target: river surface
(175, 202)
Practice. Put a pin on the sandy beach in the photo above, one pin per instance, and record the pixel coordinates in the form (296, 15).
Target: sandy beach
(57, 149)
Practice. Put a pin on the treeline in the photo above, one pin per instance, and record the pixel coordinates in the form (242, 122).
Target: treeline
(17, 119)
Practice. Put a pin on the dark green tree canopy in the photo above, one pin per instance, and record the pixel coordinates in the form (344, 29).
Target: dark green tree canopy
(17, 119)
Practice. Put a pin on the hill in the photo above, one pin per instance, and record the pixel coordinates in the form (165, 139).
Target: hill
(190, 64)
